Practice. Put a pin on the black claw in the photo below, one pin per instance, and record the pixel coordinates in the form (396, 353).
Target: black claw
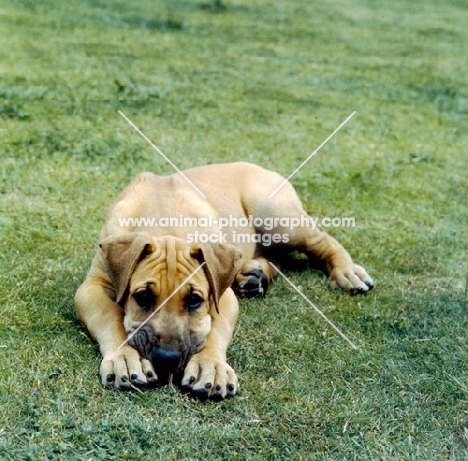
(357, 291)
(187, 388)
(201, 394)
(137, 381)
(216, 397)
(124, 383)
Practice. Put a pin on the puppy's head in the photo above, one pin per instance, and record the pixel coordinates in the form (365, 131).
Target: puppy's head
(170, 291)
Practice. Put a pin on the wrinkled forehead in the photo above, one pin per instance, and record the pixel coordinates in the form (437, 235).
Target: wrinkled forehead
(169, 266)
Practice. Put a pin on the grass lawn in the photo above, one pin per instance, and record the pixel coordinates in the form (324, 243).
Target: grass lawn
(266, 82)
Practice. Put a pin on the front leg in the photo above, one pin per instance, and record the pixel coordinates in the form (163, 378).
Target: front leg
(121, 367)
(208, 375)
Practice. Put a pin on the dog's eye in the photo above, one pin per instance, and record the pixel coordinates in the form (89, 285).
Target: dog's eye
(145, 298)
(193, 302)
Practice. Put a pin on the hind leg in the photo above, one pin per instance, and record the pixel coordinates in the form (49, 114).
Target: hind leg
(317, 245)
(321, 247)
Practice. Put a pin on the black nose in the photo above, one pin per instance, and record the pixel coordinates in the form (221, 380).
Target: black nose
(165, 359)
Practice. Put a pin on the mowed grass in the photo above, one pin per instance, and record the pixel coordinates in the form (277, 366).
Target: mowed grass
(264, 82)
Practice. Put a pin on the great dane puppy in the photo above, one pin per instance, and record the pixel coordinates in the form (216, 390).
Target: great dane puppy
(160, 297)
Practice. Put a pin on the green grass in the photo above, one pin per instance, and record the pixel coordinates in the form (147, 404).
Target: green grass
(265, 82)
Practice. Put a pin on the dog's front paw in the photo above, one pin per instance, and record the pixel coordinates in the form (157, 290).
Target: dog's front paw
(352, 278)
(209, 378)
(125, 369)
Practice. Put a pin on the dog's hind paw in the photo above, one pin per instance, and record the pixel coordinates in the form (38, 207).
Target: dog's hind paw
(251, 283)
(352, 278)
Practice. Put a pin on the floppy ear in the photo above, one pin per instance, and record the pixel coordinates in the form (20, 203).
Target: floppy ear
(221, 265)
(121, 254)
